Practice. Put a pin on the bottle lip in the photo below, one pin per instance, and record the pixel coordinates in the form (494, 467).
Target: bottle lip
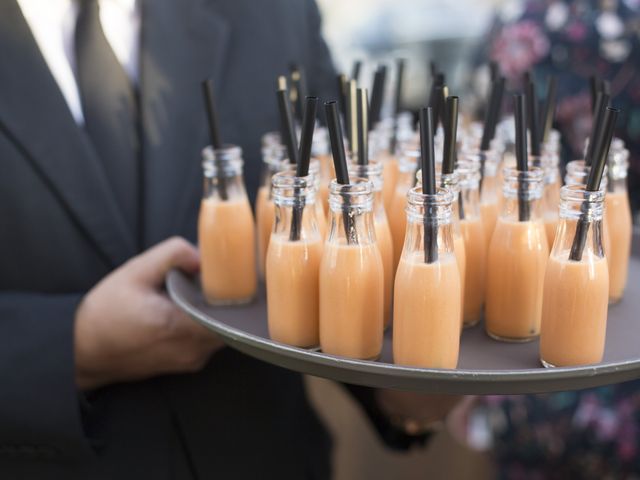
(442, 197)
(371, 171)
(357, 194)
(450, 181)
(227, 152)
(288, 189)
(468, 173)
(578, 193)
(408, 160)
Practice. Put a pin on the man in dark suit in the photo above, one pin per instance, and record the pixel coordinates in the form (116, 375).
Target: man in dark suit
(98, 170)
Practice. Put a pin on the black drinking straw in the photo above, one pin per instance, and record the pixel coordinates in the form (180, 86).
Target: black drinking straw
(450, 133)
(299, 86)
(433, 69)
(427, 157)
(494, 70)
(342, 95)
(290, 139)
(604, 137)
(601, 103)
(339, 157)
(532, 121)
(397, 104)
(594, 88)
(363, 126)
(351, 118)
(491, 117)
(605, 87)
(521, 154)
(214, 134)
(449, 152)
(304, 158)
(355, 72)
(377, 95)
(549, 109)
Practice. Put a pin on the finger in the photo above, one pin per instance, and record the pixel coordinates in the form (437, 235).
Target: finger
(152, 266)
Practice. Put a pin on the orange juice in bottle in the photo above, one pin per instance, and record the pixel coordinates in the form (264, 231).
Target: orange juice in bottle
(293, 262)
(351, 275)
(426, 329)
(517, 259)
(576, 286)
(226, 230)
(372, 171)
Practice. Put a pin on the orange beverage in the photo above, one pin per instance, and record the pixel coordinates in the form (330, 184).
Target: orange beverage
(472, 230)
(576, 288)
(396, 214)
(490, 194)
(618, 221)
(517, 260)
(226, 231)
(373, 171)
(274, 157)
(577, 174)
(427, 307)
(293, 263)
(351, 276)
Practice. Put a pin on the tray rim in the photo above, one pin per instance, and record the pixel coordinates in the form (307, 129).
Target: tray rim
(442, 380)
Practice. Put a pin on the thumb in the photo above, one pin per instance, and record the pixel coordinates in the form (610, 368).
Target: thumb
(152, 266)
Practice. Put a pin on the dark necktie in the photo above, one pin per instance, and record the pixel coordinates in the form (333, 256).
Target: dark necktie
(109, 107)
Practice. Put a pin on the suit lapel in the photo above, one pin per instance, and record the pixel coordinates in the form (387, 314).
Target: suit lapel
(36, 118)
(182, 43)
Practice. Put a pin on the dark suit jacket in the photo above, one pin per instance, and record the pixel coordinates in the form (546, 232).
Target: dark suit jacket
(61, 232)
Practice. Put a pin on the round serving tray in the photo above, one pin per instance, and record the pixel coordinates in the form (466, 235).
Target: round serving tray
(485, 365)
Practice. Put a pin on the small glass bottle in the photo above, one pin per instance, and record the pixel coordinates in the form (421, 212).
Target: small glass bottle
(407, 167)
(576, 285)
(517, 259)
(293, 262)
(450, 181)
(426, 311)
(373, 172)
(272, 157)
(226, 231)
(320, 150)
(475, 245)
(551, 197)
(619, 224)
(351, 275)
(490, 183)
(275, 159)
(577, 174)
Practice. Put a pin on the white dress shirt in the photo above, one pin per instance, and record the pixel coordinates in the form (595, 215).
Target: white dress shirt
(53, 24)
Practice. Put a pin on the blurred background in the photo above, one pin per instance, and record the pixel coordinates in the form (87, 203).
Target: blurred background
(443, 31)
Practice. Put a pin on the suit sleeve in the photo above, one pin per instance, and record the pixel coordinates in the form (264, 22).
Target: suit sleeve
(321, 73)
(39, 402)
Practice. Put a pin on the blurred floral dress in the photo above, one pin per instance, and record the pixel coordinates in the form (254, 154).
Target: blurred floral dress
(574, 39)
(591, 434)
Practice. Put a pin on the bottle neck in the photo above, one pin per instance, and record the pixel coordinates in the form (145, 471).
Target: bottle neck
(351, 207)
(222, 173)
(429, 233)
(522, 192)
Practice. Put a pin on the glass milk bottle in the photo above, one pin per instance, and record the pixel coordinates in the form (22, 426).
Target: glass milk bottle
(226, 231)
(275, 159)
(293, 262)
(426, 311)
(475, 245)
(551, 196)
(407, 167)
(576, 286)
(490, 194)
(450, 182)
(320, 151)
(577, 174)
(272, 158)
(618, 219)
(373, 172)
(517, 259)
(351, 275)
